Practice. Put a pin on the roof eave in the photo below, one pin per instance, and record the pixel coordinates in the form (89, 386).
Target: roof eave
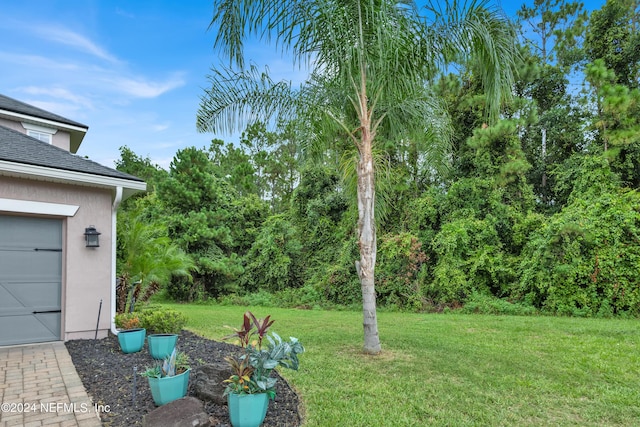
(21, 170)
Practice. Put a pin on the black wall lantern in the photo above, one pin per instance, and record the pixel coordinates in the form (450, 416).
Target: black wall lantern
(91, 237)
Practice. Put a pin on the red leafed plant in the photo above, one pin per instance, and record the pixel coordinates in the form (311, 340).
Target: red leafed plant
(252, 370)
(251, 326)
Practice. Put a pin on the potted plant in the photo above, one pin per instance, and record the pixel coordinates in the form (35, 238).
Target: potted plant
(130, 334)
(169, 381)
(164, 326)
(251, 385)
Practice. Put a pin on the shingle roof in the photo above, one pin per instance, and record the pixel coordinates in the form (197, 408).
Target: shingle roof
(16, 106)
(19, 148)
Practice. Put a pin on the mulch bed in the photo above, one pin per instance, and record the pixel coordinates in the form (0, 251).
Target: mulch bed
(108, 376)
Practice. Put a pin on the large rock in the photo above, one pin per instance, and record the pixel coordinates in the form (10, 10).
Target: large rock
(185, 412)
(209, 382)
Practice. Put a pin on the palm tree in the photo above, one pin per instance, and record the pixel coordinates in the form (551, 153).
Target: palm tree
(147, 259)
(371, 63)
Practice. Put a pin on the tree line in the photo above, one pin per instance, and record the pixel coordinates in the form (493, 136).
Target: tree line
(531, 208)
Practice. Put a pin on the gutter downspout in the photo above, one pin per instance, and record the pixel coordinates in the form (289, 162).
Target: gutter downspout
(114, 216)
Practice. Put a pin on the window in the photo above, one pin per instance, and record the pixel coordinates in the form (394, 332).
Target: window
(44, 137)
(41, 133)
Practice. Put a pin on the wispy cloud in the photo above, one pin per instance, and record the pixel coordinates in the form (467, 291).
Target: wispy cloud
(36, 61)
(141, 88)
(160, 127)
(114, 79)
(59, 93)
(75, 40)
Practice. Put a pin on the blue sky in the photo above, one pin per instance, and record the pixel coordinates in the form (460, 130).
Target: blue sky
(133, 71)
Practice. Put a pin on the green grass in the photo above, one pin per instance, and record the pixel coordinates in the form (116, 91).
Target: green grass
(453, 369)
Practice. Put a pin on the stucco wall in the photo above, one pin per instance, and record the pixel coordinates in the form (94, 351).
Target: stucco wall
(86, 272)
(13, 125)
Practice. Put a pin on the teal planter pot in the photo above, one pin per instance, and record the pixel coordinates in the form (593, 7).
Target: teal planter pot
(161, 345)
(168, 389)
(131, 340)
(247, 410)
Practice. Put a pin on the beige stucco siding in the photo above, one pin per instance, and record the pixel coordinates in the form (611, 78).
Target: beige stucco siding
(13, 125)
(86, 272)
(62, 140)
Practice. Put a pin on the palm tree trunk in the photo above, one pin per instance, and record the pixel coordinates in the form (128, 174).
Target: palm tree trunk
(367, 242)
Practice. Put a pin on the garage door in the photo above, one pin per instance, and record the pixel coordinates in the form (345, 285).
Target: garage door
(30, 279)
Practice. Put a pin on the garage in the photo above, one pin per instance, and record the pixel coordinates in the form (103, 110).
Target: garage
(30, 279)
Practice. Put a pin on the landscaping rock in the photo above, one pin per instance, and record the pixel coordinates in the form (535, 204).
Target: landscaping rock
(185, 412)
(209, 382)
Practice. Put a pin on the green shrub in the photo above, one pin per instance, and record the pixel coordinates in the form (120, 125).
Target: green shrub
(127, 321)
(305, 297)
(487, 304)
(400, 261)
(185, 289)
(341, 284)
(584, 260)
(230, 299)
(260, 298)
(469, 258)
(274, 262)
(162, 320)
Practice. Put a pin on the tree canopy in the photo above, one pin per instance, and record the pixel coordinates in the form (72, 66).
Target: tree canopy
(411, 172)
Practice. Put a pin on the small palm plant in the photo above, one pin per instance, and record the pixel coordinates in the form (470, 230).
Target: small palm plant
(147, 259)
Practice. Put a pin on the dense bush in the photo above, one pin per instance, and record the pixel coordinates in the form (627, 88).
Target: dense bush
(160, 320)
(486, 304)
(535, 213)
(470, 258)
(204, 221)
(274, 263)
(400, 263)
(306, 297)
(185, 289)
(341, 284)
(318, 214)
(484, 221)
(584, 260)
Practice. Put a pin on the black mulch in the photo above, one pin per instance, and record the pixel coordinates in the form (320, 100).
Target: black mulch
(108, 376)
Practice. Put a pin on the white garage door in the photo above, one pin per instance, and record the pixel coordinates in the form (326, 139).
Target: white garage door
(30, 279)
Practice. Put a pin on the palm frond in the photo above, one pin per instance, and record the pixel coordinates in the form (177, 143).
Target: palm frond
(474, 30)
(385, 48)
(239, 98)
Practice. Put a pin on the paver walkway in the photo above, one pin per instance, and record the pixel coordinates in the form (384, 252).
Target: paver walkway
(40, 386)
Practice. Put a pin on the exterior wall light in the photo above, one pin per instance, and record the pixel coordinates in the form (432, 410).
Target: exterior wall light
(91, 237)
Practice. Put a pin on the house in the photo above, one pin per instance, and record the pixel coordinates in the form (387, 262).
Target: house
(56, 282)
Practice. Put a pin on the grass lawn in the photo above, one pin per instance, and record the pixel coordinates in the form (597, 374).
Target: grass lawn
(454, 370)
